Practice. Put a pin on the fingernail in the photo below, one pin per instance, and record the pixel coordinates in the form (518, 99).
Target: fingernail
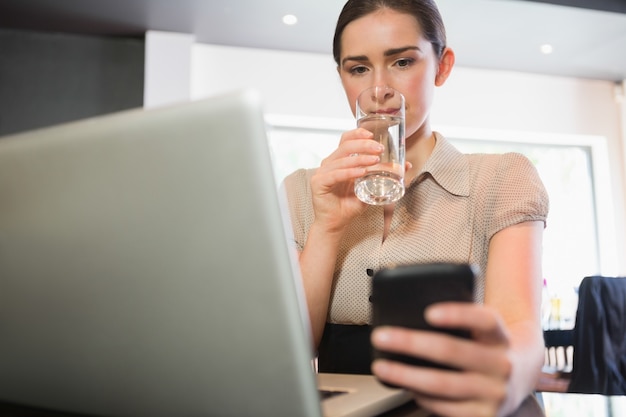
(380, 368)
(380, 336)
(433, 314)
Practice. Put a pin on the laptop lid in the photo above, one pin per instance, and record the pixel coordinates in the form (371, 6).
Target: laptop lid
(144, 269)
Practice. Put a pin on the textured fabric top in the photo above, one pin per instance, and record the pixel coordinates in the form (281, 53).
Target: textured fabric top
(449, 213)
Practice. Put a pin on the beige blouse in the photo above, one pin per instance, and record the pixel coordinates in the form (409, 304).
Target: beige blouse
(449, 213)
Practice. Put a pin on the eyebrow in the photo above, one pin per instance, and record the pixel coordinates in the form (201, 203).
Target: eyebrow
(396, 51)
(387, 53)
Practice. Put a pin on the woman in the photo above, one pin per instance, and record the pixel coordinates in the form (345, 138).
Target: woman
(488, 210)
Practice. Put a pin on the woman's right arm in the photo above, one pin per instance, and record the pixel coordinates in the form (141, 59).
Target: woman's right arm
(334, 205)
(317, 265)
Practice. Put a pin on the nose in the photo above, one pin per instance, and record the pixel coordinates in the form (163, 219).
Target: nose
(382, 93)
(389, 93)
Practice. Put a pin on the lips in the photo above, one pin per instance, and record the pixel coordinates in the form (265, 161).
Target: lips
(388, 111)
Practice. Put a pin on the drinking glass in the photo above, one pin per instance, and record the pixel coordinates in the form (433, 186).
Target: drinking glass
(381, 111)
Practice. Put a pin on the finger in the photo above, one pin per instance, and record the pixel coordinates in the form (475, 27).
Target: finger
(484, 323)
(359, 147)
(346, 169)
(466, 408)
(455, 352)
(358, 141)
(353, 155)
(355, 134)
(332, 176)
(441, 384)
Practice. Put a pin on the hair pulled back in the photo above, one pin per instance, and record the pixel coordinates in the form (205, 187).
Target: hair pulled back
(425, 12)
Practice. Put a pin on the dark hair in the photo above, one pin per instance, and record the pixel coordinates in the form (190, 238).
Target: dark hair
(425, 12)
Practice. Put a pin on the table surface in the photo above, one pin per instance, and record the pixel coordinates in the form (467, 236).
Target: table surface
(528, 409)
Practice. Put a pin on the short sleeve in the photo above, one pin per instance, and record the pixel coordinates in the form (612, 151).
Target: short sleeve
(297, 192)
(515, 194)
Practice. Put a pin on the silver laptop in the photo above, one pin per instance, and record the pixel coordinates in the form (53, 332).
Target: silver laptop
(145, 271)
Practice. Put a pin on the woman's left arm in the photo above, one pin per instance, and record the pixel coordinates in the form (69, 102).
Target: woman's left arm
(513, 288)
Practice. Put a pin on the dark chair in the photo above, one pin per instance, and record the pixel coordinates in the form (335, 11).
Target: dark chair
(559, 350)
(556, 373)
(599, 360)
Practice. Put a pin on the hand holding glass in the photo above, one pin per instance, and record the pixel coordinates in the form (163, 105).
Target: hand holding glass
(381, 111)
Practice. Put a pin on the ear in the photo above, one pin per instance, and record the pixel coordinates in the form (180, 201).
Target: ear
(444, 67)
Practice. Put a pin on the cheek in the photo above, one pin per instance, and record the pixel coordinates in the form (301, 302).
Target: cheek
(418, 104)
(351, 95)
(421, 98)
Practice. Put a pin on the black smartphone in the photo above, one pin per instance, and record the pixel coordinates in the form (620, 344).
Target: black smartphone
(401, 294)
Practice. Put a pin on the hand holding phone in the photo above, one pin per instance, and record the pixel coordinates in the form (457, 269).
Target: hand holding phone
(400, 295)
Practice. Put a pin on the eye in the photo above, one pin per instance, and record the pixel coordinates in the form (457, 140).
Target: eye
(358, 70)
(404, 62)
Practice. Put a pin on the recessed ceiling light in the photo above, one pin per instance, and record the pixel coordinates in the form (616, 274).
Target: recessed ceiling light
(546, 49)
(290, 19)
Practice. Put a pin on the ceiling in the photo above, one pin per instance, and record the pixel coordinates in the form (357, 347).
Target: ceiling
(589, 40)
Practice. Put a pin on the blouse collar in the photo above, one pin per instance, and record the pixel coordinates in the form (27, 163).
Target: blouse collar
(448, 167)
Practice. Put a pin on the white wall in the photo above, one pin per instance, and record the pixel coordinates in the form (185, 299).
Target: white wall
(307, 85)
(291, 83)
(167, 75)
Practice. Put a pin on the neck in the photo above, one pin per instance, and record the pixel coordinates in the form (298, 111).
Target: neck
(418, 149)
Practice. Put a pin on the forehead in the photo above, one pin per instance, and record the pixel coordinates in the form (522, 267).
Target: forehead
(384, 29)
